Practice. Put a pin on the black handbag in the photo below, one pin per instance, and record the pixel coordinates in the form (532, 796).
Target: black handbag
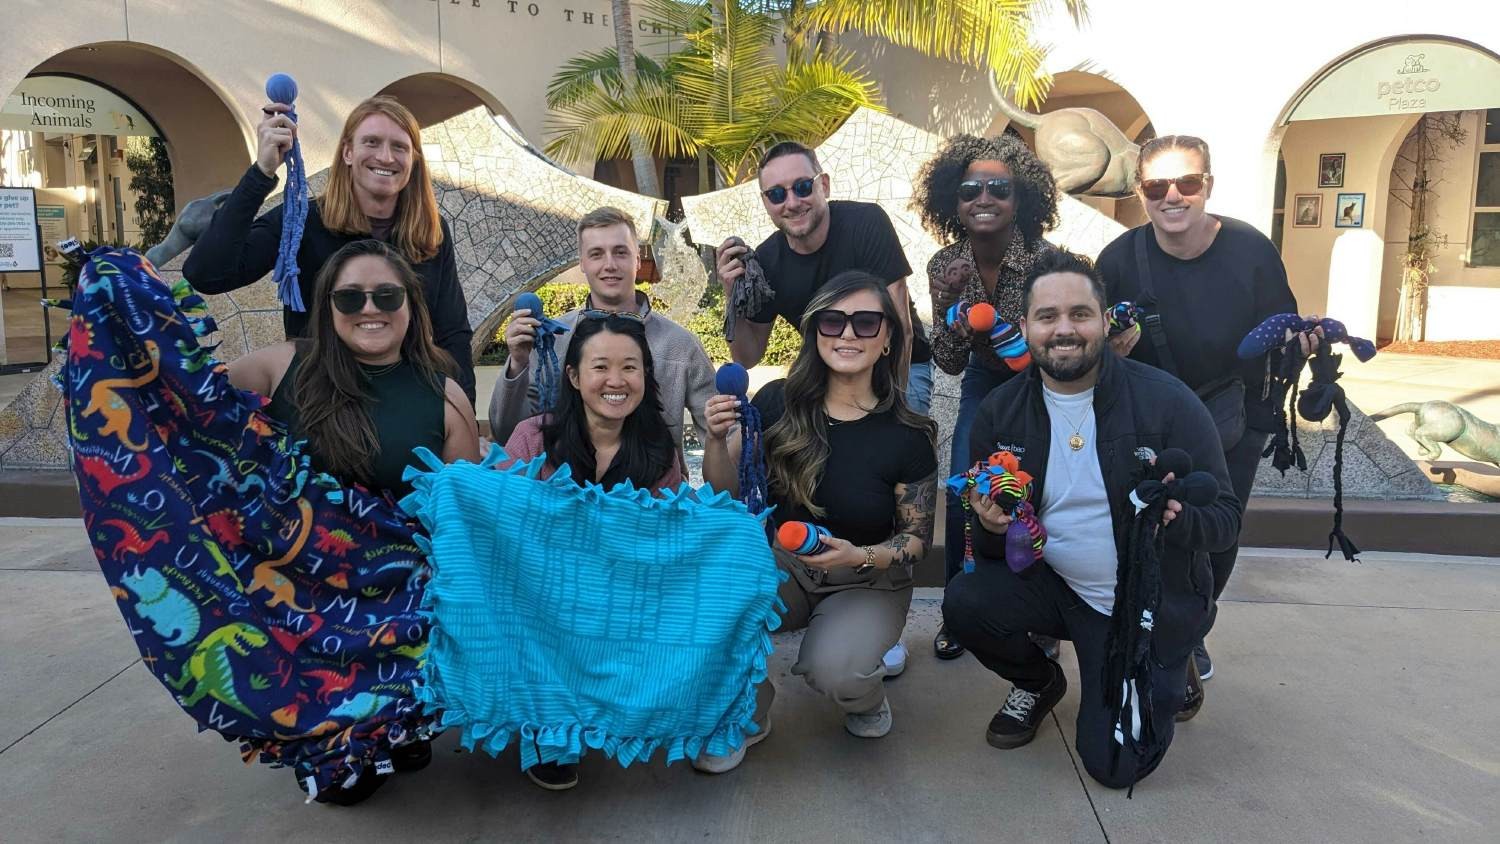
(1224, 397)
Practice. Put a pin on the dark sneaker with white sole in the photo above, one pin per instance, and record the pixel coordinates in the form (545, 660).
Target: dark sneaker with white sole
(1017, 721)
(552, 776)
(1194, 700)
(1205, 665)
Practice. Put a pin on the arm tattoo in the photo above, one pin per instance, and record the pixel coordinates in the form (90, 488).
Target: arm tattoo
(916, 504)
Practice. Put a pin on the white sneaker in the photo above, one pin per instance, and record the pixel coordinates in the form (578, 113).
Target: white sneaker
(895, 660)
(724, 764)
(869, 724)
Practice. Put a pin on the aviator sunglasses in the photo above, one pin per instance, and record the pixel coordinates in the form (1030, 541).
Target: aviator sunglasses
(1000, 189)
(1189, 184)
(803, 188)
(351, 300)
(831, 322)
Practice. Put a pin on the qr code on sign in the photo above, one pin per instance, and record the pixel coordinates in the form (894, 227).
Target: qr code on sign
(7, 250)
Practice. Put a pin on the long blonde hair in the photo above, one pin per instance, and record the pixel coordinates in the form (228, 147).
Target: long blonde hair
(797, 445)
(418, 230)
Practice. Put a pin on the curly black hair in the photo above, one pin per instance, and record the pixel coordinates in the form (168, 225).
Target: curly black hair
(935, 195)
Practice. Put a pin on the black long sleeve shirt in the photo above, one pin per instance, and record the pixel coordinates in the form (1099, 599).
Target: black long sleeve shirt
(238, 249)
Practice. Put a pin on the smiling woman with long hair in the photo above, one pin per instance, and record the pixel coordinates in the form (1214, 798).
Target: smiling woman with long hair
(843, 451)
(369, 385)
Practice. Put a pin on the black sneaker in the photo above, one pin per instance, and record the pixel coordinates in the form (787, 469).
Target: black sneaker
(945, 646)
(411, 757)
(348, 795)
(1205, 665)
(1016, 722)
(552, 776)
(1194, 700)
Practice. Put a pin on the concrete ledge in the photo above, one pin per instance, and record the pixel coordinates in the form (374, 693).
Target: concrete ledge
(38, 494)
(1430, 527)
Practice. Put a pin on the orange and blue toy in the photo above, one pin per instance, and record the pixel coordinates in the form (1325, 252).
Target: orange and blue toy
(1001, 478)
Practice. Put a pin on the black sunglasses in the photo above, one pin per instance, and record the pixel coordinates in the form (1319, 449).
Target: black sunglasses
(595, 313)
(803, 188)
(1001, 189)
(350, 300)
(831, 322)
(1187, 185)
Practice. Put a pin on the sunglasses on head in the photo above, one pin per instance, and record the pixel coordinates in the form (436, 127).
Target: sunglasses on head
(803, 188)
(595, 313)
(969, 190)
(830, 322)
(1190, 184)
(351, 300)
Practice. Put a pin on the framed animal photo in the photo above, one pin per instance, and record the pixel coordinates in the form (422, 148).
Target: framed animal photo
(1331, 170)
(1349, 212)
(1307, 210)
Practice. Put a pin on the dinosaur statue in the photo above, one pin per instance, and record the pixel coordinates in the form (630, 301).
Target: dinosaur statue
(1439, 423)
(186, 229)
(1088, 154)
(170, 612)
(209, 666)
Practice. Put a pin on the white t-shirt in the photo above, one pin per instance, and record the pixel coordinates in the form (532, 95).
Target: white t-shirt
(1074, 509)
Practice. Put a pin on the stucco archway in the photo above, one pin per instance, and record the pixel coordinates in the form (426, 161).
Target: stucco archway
(435, 97)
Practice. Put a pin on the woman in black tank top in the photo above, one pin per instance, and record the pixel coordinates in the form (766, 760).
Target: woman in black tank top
(368, 386)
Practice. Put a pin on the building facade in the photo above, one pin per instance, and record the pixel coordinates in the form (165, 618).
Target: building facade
(1310, 112)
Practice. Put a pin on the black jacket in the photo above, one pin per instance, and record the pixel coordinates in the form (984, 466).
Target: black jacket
(1135, 405)
(238, 250)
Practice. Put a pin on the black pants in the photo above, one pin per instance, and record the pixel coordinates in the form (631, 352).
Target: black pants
(990, 611)
(1243, 460)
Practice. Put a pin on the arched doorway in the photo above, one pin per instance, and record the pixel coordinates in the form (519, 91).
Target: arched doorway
(1365, 199)
(435, 97)
(112, 138)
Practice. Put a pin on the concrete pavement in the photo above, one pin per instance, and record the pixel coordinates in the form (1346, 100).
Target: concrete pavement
(1352, 703)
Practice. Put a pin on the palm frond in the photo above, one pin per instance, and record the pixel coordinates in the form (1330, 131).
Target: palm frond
(590, 70)
(598, 125)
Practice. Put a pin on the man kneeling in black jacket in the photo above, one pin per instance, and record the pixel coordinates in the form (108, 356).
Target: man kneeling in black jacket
(1080, 421)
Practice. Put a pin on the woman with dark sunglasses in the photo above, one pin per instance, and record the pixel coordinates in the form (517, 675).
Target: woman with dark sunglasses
(991, 199)
(1208, 280)
(368, 384)
(844, 452)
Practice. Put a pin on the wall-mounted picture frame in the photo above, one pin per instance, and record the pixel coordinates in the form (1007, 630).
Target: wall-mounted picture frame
(1349, 211)
(1307, 210)
(1331, 170)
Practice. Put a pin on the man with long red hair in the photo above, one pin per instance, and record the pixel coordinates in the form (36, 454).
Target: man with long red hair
(378, 187)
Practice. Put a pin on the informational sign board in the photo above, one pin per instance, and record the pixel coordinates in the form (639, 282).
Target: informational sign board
(20, 243)
(53, 220)
(1408, 77)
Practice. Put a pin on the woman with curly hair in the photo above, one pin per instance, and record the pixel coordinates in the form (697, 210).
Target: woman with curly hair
(992, 198)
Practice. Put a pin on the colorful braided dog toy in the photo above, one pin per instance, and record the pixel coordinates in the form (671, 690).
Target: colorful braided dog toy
(1124, 316)
(1002, 479)
(1005, 339)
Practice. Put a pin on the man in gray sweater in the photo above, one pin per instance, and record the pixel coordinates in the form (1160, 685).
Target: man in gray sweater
(610, 257)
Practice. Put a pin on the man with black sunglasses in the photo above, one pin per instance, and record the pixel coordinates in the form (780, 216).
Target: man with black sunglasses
(816, 239)
(609, 256)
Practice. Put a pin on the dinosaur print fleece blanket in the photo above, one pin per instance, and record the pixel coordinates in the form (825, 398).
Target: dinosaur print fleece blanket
(277, 606)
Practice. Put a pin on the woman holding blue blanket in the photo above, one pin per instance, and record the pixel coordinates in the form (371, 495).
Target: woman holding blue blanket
(843, 451)
(608, 429)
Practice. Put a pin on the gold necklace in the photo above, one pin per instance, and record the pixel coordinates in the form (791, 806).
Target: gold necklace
(1076, 441)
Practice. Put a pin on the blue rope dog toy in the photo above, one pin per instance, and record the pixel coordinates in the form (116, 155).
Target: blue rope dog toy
(733, 380)
(281, 88)
(546, 372)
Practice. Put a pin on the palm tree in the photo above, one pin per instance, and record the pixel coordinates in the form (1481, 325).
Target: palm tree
(722, 96)
(640, 153)
(991, 34)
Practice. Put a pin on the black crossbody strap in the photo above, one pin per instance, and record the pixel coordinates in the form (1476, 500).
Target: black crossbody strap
(1147, 299)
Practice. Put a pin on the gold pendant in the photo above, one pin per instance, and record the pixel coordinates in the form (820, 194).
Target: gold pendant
(1075, 442)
